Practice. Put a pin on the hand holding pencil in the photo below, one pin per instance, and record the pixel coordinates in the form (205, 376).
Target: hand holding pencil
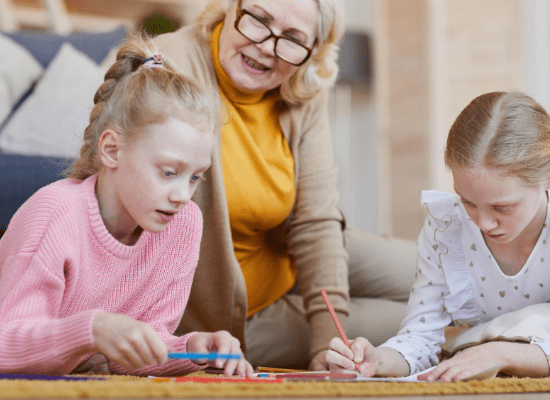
(223, 343)
(359, 355)
(338, 324)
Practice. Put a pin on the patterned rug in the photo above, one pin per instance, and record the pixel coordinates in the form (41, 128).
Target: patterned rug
(126, 386)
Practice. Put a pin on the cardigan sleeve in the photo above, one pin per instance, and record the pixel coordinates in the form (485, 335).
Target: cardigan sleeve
(316, 240)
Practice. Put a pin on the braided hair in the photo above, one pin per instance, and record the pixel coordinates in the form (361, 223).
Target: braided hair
(132, 97)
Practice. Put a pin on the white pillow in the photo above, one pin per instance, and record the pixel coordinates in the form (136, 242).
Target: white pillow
(18, 70)
(52, 120)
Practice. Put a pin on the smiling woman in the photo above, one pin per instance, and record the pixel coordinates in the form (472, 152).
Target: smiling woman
(273, 233)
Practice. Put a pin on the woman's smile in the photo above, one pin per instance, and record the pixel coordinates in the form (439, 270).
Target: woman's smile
(254, 66)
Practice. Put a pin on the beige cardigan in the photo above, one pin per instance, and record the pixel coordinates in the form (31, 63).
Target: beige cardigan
(312, 233)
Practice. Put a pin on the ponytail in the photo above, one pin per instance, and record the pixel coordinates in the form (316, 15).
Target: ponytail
(134, 94)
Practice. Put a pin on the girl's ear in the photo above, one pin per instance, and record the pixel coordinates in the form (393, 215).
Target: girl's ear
(109, 148)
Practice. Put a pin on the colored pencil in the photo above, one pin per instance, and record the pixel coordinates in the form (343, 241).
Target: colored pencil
(220, 379)
(273, 369)
(311, 375)
(204, 356)
(337, 323)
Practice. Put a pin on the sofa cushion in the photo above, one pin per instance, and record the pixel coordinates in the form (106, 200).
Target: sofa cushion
(44, 46)
(21, 177)
(18, 71)
(51, 122)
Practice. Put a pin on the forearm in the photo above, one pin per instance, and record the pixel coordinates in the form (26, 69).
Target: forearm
(392, 363)
(520, 359)
(44, 346)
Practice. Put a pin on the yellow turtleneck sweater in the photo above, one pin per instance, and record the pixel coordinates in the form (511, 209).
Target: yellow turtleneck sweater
(258, 174)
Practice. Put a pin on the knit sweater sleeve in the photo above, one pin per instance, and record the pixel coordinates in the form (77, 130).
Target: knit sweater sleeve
(165, 312)
(33, 338)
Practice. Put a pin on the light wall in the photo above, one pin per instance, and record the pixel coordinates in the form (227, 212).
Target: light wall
(434, 57)
(354, 133)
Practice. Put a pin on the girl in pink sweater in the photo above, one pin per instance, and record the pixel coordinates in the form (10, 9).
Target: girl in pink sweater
(96, 269)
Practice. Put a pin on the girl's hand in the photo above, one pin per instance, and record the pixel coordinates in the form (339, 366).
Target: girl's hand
(220, 342)
(342, 359)
(130, 343)
(465, 364)
(96, 364)
(319, 363)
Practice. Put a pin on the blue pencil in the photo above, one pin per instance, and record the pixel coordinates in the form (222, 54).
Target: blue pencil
(204, 356)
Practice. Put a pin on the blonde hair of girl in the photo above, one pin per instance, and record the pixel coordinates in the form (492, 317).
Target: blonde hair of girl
(320, 71)
(508, 131)
(133, 96)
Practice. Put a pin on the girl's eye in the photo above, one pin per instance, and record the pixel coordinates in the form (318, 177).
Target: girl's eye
(195, 178)
(168, 173)
(502, 209)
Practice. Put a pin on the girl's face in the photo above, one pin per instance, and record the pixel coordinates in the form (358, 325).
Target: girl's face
(254, 67)
(502, 206)
(156, 174)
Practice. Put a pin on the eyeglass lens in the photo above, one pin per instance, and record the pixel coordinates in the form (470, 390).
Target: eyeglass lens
(256, 31)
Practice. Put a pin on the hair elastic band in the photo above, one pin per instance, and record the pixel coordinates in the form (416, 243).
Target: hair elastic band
(153, 62)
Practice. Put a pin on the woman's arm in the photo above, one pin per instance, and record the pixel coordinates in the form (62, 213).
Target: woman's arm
(316, 241)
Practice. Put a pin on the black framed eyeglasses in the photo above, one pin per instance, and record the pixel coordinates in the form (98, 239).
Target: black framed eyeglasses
(248, 25)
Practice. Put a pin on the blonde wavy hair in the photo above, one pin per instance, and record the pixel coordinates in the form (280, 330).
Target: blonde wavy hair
(320, 71)
(132, 97)
(503, 130)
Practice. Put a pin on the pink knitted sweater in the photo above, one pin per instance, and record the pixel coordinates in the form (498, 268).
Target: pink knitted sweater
(59, 266)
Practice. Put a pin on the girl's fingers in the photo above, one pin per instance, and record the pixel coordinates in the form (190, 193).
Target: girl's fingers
(339, 346)
(131, 353)
(444, 372)
(141, 341)
(157, 347)
(338, 363)
(248, 369)
(232, 364)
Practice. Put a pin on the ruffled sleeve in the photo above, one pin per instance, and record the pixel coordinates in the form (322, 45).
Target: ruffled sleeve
(442, 291)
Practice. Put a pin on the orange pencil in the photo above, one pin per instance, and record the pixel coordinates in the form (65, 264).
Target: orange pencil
(337, 323)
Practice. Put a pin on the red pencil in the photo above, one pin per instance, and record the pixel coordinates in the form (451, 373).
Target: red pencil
(337, 323)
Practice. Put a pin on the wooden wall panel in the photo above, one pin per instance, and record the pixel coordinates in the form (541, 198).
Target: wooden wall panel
(408, 112)
(440, 55)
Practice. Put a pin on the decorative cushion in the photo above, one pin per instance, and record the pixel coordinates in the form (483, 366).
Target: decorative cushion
(44, 46)
(18, 71)
(52, 120)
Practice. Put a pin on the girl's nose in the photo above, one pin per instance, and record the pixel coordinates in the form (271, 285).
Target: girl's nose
(180, 194)
(486, 222)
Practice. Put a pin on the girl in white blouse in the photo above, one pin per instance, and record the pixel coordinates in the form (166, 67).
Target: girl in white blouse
(482, 252)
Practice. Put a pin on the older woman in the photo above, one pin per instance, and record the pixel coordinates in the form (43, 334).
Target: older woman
(273, 234)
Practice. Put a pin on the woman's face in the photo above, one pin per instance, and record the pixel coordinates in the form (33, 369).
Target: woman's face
(254, 67)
